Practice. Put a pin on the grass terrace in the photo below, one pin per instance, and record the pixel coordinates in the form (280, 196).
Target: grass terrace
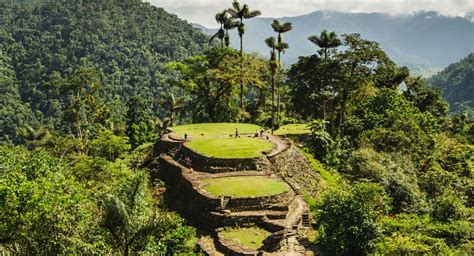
(251, 237)
(214, 129)
(293, 129)
(245, 186)
(230, 147)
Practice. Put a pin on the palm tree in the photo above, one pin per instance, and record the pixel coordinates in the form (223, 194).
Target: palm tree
(171, 104)
(239, 13)
(273, 68)
(122, 215)
(280, 47)
(221, 18)
(281, 29)
(326, 41)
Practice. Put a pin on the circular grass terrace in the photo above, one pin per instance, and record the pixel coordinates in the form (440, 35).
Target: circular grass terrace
(207, 130)
(230, 147)
(251, 237)
(245, 186)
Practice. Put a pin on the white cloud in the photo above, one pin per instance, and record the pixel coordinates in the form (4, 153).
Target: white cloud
(202, 11)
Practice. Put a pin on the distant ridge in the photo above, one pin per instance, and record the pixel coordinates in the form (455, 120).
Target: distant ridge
(424, 41)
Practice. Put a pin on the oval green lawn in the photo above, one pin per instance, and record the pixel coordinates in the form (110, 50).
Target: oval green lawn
(214, 129)
(245, 186)
(251, 237)
(230, 147)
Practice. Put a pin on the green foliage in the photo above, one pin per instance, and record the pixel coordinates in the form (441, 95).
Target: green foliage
(125, 42)
(213, 81)
(109, 145)
(133, 224)
(139, 124)
(347, 220)
(457, 81)
(43, 211)
(14, 113)
(52, 204)
(419, 234)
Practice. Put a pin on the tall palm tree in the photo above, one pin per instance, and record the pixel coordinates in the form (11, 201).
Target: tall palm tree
(221, 18)
(281, 29)
(273, 68)
(239, 13)
(326, 41)
(281, 47)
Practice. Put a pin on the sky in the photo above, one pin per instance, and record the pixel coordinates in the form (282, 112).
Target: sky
(202, 11)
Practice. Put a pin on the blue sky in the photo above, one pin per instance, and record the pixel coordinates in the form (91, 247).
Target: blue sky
(202, 11)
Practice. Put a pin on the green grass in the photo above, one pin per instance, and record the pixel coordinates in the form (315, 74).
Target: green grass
(251, 237)
(230, 147)
(214, 129)
(245, 186)
(295, 129)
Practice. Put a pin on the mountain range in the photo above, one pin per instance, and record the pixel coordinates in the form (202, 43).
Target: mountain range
(425, 42)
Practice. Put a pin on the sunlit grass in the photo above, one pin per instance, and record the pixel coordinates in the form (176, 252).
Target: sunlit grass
(230, 147)
(214, 129)
(245, 186)
(251, 237)
(293, 129)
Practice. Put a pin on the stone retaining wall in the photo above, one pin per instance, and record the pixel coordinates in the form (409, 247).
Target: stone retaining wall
(292, 166)
(206, 164)
(187, 197)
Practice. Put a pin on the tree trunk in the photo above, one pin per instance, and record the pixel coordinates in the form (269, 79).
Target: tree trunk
(241, 71)
(278, 90)
(241, 65)
(171, 117)
(273, 102)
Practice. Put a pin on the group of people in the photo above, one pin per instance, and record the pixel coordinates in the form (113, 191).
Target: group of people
(257, 133)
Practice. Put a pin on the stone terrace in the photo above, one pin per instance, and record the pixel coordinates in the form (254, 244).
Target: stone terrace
(281, 214)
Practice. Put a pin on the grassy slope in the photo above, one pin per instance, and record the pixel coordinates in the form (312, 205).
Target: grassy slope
(245, 186)
(251, 237)
(230, 147)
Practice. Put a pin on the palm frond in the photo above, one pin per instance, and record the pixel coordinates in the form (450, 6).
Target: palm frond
(115, 216)
(236, 5)
(270, 42)
(252, 14)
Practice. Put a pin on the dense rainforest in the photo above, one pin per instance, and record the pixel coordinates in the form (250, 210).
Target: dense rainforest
(125, 42)
(457, 83)
(88, 87)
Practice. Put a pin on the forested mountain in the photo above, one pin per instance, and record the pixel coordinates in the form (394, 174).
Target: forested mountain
(457, 83)
(126, 42)
(420, 41)
(89, 88)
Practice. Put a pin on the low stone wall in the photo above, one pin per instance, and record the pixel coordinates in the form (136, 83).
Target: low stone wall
(166, 145)
(182, 197)
(259, 203)
(207, 164)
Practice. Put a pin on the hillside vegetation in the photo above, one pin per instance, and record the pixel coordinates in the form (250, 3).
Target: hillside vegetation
(87, 88)
(457, 83)
(125, 43)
